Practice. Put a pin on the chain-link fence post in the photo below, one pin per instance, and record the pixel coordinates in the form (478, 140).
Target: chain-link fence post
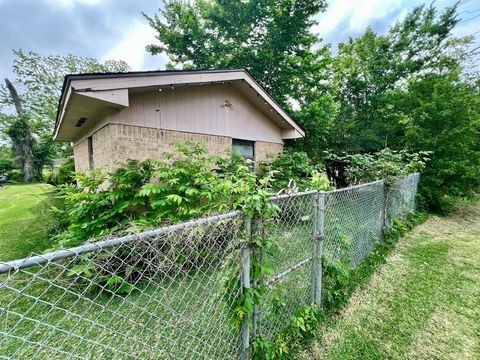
(258, 256)
(244, 341)
(319, 214)
(385, 205)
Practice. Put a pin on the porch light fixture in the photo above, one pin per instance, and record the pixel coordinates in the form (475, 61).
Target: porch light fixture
(227, 104)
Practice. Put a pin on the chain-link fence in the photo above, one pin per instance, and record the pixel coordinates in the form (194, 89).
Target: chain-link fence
(289, 285)
(354, 220)
(159, 294)
(401, 197)
(170, 293)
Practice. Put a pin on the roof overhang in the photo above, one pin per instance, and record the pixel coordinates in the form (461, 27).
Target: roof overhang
(87, 95)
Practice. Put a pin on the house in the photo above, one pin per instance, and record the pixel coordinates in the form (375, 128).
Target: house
(114, 117)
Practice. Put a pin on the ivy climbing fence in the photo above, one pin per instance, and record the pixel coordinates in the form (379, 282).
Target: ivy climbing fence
(171, 293)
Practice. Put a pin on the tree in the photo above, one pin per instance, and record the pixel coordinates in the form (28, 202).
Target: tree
(442, 115)
(371, 73)
(397, 90)
(40, 79)
(21, 136)
(409, 89)
(270, 38)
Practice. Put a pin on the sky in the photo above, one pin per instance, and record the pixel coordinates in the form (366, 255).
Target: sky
(116, 29)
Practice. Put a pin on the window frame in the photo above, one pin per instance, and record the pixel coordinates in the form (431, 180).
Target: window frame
(244, 142)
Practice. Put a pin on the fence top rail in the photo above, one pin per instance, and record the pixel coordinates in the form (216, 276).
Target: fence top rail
(354, 187)
(109, 243)
(285, 196)
(409, 176)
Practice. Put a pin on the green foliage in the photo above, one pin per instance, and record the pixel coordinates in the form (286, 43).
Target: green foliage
(40, 78)
(91, 277)
(6, 160)
(407, 89)
(296, 167)
(401, 228)
(339, 283)
(300, 329)
(152, 193)
(7, 165)
(14, 175)
(249, 34)
(444, 118)
(371, 72)
(386, 164)
(63, 175)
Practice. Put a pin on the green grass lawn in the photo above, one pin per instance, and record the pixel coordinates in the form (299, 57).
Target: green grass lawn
(423, 303)
(24, 221)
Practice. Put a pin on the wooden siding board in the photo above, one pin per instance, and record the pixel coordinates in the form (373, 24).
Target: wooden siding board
(200, 110)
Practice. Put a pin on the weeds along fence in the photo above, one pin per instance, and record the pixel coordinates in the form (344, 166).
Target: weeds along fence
(170, 293)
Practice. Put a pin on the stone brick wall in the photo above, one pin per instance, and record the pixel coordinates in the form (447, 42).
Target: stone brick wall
(80, 155)
(117, 143)
(264, 149)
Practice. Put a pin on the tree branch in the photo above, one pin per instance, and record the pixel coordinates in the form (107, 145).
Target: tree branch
(15, 97)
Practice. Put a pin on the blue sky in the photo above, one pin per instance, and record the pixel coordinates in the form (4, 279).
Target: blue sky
(115, 29)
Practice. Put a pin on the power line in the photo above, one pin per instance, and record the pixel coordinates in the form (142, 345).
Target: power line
(469, 12)
(464, 21)
(459, 3)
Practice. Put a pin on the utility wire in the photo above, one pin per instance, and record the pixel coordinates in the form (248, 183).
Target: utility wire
(464, 21)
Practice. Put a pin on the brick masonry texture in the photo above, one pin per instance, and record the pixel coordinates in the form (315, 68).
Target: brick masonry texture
(114, 144)
(80, 155)
(266, 150)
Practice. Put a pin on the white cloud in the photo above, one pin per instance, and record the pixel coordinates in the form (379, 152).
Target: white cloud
(131, 46)
(356, 14)
(69, 3)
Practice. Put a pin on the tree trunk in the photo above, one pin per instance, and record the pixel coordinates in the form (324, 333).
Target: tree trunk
(21, 136)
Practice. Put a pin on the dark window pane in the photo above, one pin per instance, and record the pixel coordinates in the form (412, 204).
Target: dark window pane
(245, 148)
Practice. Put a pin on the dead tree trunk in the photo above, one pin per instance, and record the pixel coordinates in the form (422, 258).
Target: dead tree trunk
(21, 136)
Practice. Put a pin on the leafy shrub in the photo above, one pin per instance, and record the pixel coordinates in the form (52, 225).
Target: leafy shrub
(64, 174)
(151, 193)
(293, 170)
(14, 175)
(299, 330)
(6, 164)
(386, 164)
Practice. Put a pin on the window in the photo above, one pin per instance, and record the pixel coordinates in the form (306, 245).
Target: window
(90, 152)
(245, 148)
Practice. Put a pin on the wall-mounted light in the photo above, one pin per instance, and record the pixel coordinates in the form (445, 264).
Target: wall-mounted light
(172, 87)
(227, 104)
(160, 90)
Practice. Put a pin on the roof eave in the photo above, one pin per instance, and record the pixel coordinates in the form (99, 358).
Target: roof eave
(67, 91)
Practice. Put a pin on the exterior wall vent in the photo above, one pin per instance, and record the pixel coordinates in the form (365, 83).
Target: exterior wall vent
(80, 122)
